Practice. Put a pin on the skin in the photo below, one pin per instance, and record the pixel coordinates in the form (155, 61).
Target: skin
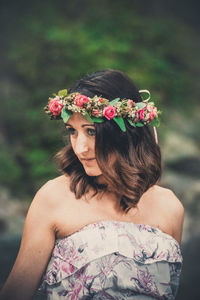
(55, 213)
(82, 136)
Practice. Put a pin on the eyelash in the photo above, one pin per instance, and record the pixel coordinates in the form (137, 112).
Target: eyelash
(90, 131)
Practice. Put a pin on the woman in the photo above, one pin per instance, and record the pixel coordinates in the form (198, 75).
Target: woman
(104, 229)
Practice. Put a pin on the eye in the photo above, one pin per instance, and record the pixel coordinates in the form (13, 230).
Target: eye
(91, 132)
(70, 130)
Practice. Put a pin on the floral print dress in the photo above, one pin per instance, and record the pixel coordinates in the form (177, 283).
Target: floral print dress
(113, 260)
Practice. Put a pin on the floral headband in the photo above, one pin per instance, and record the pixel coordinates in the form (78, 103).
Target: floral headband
(98, 109)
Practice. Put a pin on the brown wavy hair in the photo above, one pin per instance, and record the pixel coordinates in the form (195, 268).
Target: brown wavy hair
(137, 159)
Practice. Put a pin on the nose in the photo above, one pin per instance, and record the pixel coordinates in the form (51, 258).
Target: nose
(82, 145)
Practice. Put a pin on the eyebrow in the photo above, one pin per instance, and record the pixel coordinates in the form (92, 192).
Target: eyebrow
(84, 125)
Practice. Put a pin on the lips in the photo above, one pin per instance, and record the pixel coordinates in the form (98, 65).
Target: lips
(87, 159)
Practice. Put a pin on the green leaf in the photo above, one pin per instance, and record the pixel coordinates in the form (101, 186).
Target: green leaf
(120, 123)
(62, 93)
(155, 122)
(140, 105)
(87, 117)
(65, 114)
(131, 122)
(114, 101)
(139, 124)
(97, 120)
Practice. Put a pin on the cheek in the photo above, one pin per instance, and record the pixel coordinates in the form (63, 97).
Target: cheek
(92, 147)
(72, 142)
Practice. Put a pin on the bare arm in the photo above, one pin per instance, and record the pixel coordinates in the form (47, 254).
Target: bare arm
(177, 217)
(35, 250)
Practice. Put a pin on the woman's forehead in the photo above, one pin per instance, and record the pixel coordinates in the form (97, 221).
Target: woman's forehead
(78, 119)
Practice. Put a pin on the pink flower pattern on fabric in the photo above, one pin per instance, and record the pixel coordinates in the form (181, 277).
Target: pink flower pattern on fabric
(113, 260)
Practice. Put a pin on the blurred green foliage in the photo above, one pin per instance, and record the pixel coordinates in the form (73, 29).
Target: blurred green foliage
(48, 45)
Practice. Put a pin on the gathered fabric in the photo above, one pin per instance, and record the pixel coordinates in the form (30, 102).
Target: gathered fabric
(113, 260)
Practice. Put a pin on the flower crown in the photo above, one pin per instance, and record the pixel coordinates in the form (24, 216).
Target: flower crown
(98, 109)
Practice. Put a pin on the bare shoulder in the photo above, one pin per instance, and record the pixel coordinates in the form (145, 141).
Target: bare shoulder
(49, 199)
(166, 197)
(52, 190)
(50, 185)
(172, 209)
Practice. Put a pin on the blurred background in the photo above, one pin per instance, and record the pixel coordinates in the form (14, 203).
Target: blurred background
(46, 46)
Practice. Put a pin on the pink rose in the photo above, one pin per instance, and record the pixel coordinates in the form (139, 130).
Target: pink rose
(95, 112)
(130, 102)
(81, 99)
(152, 114)
(55, 106)
(109, 112)
(141, 113)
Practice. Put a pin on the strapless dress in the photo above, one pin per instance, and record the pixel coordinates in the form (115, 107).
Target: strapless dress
(113, 260)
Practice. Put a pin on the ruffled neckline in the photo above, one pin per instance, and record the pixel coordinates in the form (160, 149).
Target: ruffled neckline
(141, 243)
(115, 222)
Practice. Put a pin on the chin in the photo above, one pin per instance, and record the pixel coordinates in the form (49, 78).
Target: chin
(93, 172)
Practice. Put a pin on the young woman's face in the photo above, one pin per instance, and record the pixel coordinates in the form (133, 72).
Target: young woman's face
(82, 136)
